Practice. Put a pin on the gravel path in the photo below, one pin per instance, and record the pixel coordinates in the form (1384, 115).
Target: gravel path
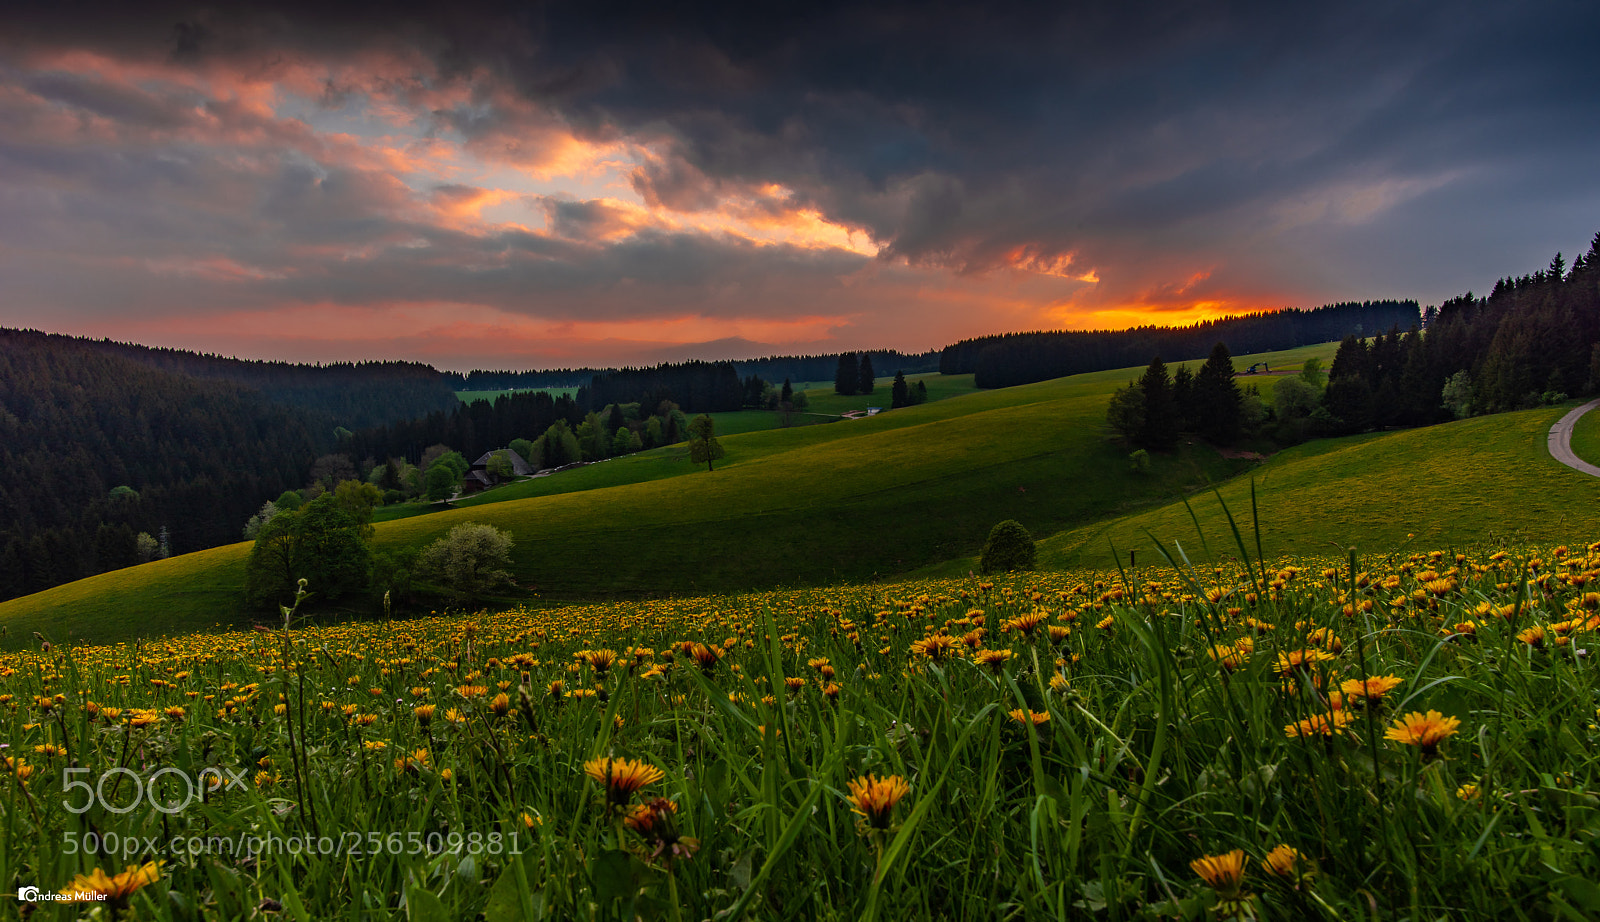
(1561, 440)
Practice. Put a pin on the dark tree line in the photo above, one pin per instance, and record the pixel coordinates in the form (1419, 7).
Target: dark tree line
(99, 447)
(852, 375)
(1154, 411)
(1022, 358)
(770, 368)
(480, 380)
(1535, 339)
(697, 387)
(352, 395)
(471, 428)
(823, 367)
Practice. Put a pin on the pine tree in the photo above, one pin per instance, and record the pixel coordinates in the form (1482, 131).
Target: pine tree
(864, 380)
(1183, 397)
(1216, 398)
(787, 394)
(1160, 429)
(848, 375)
(899, 394)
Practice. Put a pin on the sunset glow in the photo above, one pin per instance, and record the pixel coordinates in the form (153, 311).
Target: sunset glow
(277, 191)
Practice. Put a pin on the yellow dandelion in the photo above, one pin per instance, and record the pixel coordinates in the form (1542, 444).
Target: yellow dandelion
(874, 798)
(1223, 873)
(622, 777)
(1292, 661)
(1325, 725)
(1037, 718)
(116, 888)
(995, 659)
(1371, 689)
(1424, 731)
(936, 647)
(1287, 862)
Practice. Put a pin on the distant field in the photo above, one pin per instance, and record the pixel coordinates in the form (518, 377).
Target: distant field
(1586, 437)
(940, 387)
(470, 396)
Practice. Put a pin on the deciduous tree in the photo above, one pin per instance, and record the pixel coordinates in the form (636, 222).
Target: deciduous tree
(703, 445)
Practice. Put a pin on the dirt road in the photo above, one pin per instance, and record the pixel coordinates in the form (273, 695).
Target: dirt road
(1561, 440)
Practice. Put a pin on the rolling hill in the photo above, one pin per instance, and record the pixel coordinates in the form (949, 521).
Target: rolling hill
(916, 490)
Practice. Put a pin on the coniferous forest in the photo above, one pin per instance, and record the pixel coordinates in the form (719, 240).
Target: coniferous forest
(1022, 358)
(100, 447)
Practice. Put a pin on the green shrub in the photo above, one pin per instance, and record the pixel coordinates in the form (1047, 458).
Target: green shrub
(1010, 547)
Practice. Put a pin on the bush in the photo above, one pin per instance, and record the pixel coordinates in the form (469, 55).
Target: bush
(1010, 547)
(470, 560)
(1138, 462)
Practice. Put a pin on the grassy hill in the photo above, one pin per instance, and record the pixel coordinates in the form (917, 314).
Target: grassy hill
(917, 490)
(1474, 482)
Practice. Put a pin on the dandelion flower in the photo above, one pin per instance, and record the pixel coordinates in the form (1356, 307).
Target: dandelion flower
(622, 777)
(600, 660)
(1293, 661)
(116, 888)
(1287, 862)
(1372, 689)
(1026, 624)
(1229, 658)
(937, 647)
(1037, 718)
(1326, 725)
(995, 659)
(1223, 873)
(874, 798)
(1424, 731)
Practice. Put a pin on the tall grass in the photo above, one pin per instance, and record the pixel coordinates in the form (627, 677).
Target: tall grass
(1166, 702)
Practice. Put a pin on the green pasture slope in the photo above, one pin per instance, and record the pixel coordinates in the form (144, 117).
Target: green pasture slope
(847, 501)
(1472, 482)
(1586, 437)
(670, 461)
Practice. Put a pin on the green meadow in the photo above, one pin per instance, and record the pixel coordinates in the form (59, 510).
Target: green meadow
(915, 490)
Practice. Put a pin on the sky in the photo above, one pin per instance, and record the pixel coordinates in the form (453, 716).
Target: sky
(482, 185)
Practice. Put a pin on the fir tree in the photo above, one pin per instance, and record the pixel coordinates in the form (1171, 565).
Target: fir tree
(1216, 398)
(1160, 428)
(899, 394)
(865, 378)
(848, 375)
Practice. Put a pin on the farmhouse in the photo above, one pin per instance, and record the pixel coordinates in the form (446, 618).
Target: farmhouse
(479, 477)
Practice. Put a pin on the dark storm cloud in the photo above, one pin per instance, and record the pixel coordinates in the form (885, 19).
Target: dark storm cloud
(1263, 141)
